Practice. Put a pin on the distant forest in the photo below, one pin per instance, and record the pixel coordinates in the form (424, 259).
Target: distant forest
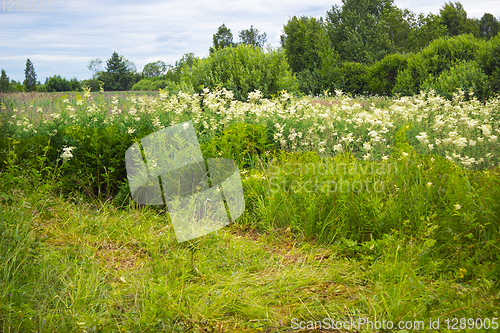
(362, 47)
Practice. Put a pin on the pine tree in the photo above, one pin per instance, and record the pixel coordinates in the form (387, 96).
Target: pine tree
(29, 77)
(4, 82)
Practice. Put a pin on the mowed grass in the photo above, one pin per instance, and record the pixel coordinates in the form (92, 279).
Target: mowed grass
(72, 266)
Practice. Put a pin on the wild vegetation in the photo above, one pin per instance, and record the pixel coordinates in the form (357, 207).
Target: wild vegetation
(355, 207)
(369, 158)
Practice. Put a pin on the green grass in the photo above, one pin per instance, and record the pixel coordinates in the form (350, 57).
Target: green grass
(68, 266)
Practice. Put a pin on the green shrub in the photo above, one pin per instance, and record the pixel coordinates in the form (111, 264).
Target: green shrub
(489, 59)
(98, 163)
(439, 56)
(464, 75)
(382, 74)
(353, 78)
(242, 69)
(310, 82)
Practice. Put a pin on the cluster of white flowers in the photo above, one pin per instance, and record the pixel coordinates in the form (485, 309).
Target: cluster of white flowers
(66, 155)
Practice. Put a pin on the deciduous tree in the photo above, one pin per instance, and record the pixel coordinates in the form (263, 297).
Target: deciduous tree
(489, 26)
(222, 38)
(252, 37)
(153, 69)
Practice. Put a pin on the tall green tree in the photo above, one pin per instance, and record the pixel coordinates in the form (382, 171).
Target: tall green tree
(154, 69)
(222, 38)
(4, 82)
(454, 17)
(303, 40)
(426, 29)
(358, 29)
(489, 26)
(29, 77)
(120, 74)
(252, 37)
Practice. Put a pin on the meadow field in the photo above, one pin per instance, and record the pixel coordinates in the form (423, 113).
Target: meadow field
(381, 214)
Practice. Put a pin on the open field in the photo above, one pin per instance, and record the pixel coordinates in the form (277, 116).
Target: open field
(376, 208)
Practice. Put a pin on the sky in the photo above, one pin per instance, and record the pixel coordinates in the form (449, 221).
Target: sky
(67, 35)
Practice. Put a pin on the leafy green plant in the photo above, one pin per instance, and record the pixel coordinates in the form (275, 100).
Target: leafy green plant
(242, 69)
(382, 74)
(466, 76)
(240, 142)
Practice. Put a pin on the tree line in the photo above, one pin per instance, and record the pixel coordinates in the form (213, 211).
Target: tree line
(362, 46)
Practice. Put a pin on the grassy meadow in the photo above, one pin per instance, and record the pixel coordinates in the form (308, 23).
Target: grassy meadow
(358, 209)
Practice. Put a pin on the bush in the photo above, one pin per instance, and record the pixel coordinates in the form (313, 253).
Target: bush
(310, 82)
(489, 58)
(382, 74)
(242, 69)
(150, 85)
(434, 59)
(464, 75)
(57, 83)
(353, 78)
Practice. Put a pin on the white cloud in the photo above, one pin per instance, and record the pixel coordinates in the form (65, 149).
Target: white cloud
(64, 40)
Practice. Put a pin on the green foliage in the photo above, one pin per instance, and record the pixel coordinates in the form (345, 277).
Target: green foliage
(29, 77)
(358, 29)
(489, 26)
(222, 38)
(240, 142)
(4, 82)
(489, 59)
(120, 74)
(252, 37)
(98, 163)
(153, 69)
(56, 84)
(425, 30)
(150, 85)
(353, 77)
(242, 69)
(302, 41)
(311, 82)
(454, 17)
(382, 74)
(464, 75)
(434, 59)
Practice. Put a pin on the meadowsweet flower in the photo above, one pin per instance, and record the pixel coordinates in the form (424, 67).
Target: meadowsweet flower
(429, 184)
(130, 130)
(457, 206)
(66, 155)
(423, 138)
